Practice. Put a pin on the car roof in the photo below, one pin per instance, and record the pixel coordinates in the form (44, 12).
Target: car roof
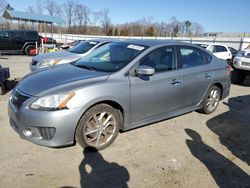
(8, 30)
(153, 42)
(102, 40)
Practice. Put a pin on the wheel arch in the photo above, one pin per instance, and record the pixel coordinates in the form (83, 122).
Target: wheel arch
(220, 86)
(113, 104)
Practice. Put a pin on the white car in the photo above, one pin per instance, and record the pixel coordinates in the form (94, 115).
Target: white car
(221, 51)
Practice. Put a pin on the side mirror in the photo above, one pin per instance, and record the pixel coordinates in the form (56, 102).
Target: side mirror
(145, 70)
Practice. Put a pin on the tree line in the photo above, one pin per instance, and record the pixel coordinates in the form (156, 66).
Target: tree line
(80, 19)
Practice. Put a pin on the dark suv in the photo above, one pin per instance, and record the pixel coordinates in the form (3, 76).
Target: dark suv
(16, 41)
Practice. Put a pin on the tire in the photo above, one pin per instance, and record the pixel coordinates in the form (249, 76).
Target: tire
(212, 100)
(91, 131)
(2, 89)
(28, 50)
(229, 61)
(238, 76)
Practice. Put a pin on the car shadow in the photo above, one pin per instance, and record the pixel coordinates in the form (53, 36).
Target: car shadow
(246, 83)
(96, 172)
(225, 172)
(233, 127)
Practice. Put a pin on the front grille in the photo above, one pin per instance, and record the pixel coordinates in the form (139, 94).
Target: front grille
(246, 63)
(18, 99)
(47, 132)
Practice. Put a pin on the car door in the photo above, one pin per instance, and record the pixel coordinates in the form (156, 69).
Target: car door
(159, 94)
(197, 74)
(5, 43)
(17, 40)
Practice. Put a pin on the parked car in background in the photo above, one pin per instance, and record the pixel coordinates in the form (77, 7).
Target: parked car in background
(4, 75)
(60, 57)
(18, 41)
(47, 40)
(221, 51)
(233, 51)
(202, 45)
(241, 66)
(119, 86)
(71, 44)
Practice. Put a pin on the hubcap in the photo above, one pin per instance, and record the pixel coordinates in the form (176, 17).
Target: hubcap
(100, 129)
(213, 100)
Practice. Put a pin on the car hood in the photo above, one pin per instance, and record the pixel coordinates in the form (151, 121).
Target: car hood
(56, 55)
(59, 79)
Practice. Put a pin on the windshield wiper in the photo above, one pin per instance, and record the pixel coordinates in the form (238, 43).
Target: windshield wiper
(86, 67)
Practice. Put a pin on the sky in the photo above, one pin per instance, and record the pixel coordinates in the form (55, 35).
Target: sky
(213, 15)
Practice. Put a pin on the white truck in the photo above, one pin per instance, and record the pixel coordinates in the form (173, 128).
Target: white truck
(241, 66)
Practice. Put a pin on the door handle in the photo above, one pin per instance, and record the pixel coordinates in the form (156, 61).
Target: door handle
(208, 75)
(175, 82)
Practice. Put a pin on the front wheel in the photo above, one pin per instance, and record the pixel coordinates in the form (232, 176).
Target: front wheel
(211, 100)
(98, 127)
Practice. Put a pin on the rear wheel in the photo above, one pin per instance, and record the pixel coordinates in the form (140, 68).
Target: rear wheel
(229, 61)
(212, 100)
(30, 50)
(238, 76)
(98, 127)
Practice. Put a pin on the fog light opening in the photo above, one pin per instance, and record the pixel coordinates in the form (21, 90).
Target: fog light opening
(27, 132)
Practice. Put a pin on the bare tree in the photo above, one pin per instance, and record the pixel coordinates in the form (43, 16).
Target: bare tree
(196, 29)
(31, 9)
(69, 10)
(106, 21)
(52, 7)
(82, 16)
(39, 6)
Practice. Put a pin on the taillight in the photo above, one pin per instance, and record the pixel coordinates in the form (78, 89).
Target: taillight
(229, 69)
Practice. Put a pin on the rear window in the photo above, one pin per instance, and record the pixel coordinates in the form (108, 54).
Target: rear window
(31, 35)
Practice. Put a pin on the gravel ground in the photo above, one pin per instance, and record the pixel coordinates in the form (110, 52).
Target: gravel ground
(192, 150)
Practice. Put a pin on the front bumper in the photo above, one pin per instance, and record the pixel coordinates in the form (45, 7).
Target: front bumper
(49, 128)
(242, 63)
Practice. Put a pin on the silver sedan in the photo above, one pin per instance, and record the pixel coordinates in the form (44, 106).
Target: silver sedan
(119, 86)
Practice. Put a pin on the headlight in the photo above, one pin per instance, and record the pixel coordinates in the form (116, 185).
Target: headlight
(49, 62)
(52, 102)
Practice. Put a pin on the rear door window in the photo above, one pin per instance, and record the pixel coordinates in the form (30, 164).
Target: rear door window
(18, 35)
(218, 48)
(31, 35)
(191, 57)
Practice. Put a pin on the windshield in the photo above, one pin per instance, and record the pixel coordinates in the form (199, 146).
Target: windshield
(83, 47)
(111, 57)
